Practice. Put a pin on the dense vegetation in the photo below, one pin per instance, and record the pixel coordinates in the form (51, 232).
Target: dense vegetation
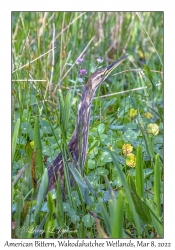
(120, 194)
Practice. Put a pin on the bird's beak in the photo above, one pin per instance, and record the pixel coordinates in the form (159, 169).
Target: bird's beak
(114, 65)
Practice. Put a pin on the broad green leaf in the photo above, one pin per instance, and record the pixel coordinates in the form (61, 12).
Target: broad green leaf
(101, 171)
(66, 206)
(75, 218)
(106, 157)
(101, 128)
(129, 136)
(45, 126)
(91, 164)
(88, 220)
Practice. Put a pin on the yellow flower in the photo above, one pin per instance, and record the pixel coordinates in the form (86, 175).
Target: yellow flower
(148, 115)
(32, 144)
(127, 149)
(131, 160)
(153, 129)
(132, 113)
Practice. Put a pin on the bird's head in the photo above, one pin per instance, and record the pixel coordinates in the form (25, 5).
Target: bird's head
(100, 75)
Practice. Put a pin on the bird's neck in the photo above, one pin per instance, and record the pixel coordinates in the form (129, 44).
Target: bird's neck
(83, 121)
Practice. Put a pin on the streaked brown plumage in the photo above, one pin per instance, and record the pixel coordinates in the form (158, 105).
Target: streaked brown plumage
(80, 135)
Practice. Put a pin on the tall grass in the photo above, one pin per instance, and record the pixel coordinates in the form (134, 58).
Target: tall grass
(119, 195)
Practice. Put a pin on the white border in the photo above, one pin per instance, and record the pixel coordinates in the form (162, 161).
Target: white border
(5, 96)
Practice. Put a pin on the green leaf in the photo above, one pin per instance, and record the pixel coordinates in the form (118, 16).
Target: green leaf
(37, 145)
(19, 207)
(76, 198)
(101, 128)
(50, 204)
(88, 220)
(101, 171)
(106, 157)
(140, 205)
(105, 217)
(45, 125)
(147, 139)
(157, 184)
(139, 172)
(110, 189)
(67, 109)
(66, 206)
(127, 191)
(156, 221)
(118, 217)
(59, 203)
(41, 195)
(91, 164)
(81, 184)
(148, 73)
(49, 228)
(15, 137)
(75, 218)
(129, 136)
(91, 188)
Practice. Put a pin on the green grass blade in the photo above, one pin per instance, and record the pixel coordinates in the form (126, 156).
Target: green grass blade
(118, 218)
(156, 222)
(105, 217)
(157, 184)
(19, 208)
(81, 184)
(148, 141)
(140, 205)
(38, 230)
(37, 145)
(64, 118)
(61, 104)
(139, 172)
(110, 189)
(15, 137)
(49, 227)
(41, 195)
(67, 109)
(128, 193)
(59, 204)
(91, 188)
(50, 204)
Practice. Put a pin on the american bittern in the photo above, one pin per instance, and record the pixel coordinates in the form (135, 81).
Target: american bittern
(80, 135)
